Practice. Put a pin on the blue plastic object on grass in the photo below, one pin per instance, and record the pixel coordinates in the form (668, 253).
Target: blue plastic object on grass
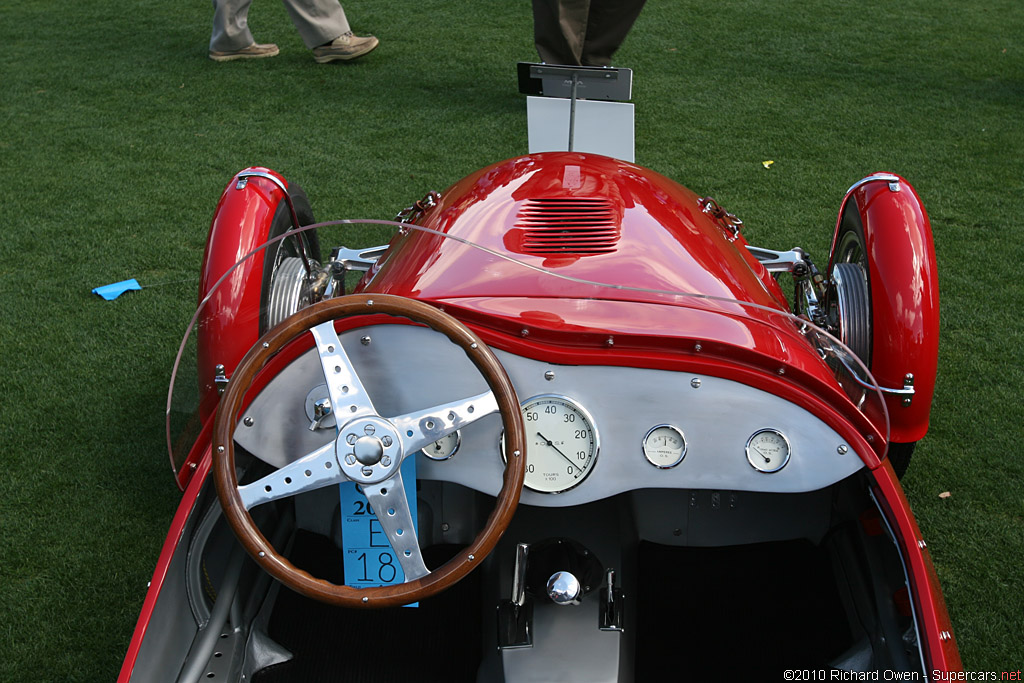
(111, 292)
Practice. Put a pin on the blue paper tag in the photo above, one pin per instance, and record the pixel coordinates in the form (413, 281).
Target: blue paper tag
(369, 558)
(111, 292)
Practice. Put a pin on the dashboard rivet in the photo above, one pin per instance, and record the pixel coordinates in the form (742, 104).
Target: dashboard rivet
(220, 449)
(248, 421)
(677, 532)
(266, 345)
(782, 371)
(610, 341)
(697, 348)
(525, 332)
(549, 375)
(365, 341)
(366, 600)
(842, 450)
(262, 554)
(471, 558)
(473, 345)
(695, 382)
(445, 526)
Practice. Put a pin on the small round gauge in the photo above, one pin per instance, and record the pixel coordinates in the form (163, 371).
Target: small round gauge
(768, 450)
(443, 448)
(664, 446)
(561, 443)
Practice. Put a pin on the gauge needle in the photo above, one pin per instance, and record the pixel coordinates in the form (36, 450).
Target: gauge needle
(766, 458)
(552, 445)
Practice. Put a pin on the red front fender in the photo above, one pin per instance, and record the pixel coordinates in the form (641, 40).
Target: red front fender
(904, 296)
(229, 325)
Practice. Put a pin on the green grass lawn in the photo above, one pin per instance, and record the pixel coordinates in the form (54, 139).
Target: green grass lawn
(117, 136)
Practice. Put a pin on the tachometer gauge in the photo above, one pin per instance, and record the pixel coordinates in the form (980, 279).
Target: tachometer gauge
(664, 446)
(443, 448)
(768, 450)
(561, 443)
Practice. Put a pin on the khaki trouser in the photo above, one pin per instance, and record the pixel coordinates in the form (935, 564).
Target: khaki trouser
(318, 22)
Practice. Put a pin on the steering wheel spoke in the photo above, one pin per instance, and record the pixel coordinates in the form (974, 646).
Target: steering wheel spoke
(348, 395)
(308, 473)
(422, 428)
(391, 504)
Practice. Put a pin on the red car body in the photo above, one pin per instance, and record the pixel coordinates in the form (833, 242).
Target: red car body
(640, 273)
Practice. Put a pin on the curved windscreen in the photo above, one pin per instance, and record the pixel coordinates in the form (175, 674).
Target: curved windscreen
(225, 318)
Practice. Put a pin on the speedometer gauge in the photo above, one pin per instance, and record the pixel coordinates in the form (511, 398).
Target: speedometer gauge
(561, 443)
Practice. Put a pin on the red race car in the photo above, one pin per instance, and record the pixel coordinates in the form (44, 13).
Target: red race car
(565, 426)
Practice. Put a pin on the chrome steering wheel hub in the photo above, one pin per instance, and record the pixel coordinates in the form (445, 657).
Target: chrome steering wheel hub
(369, 449)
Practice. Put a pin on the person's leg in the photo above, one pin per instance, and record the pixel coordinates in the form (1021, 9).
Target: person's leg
(231, 38)
(610, 21)
(318, 21)
(230, 26)
(559, 28)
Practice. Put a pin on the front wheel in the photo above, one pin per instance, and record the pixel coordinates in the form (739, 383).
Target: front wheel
(849, 306)
(899, 457)
(285, 287)
(849, 301)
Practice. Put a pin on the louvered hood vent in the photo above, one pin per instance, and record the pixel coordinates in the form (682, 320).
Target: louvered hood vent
(570, 227)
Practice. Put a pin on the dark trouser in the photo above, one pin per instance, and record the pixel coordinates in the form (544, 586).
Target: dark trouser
(582, 32)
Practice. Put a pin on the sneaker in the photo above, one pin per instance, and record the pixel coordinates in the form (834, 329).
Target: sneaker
(346, 46)
(254, 51)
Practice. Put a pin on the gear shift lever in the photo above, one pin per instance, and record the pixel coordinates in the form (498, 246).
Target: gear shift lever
(515, 616)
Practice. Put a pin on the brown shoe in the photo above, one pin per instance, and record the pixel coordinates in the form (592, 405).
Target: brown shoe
(344, 47)
(254, 51)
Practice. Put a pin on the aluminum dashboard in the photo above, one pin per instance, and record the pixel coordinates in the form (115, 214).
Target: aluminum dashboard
(406, 368)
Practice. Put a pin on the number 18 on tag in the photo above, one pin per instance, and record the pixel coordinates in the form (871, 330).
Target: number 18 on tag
(369, 558)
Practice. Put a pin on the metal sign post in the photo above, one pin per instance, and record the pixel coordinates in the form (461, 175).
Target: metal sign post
(597, 95)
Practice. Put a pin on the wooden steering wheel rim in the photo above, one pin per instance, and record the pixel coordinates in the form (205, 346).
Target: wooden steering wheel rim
(246, 530)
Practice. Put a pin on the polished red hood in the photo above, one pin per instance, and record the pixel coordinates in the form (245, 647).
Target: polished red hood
(583, 216)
